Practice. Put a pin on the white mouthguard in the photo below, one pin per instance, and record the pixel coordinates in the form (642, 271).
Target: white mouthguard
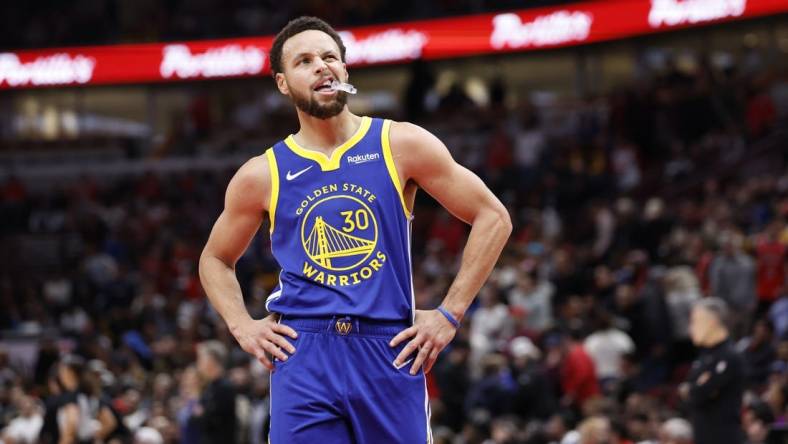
(341, 86)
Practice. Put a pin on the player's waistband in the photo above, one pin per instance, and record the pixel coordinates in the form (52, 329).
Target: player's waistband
(346, 325)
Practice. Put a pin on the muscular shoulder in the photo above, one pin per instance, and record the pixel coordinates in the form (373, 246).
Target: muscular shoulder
(415, 149)
(250, 187)
(409, 136)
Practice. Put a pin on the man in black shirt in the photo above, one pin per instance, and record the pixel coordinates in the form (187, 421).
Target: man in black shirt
(215, 415)
(715, 383)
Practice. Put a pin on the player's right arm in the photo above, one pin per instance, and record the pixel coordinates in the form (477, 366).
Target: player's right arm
(246, 202)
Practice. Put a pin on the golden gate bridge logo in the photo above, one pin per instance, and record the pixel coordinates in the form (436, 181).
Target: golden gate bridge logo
(343, 233)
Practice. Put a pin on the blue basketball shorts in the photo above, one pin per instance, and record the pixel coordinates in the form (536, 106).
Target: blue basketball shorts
(341, 386)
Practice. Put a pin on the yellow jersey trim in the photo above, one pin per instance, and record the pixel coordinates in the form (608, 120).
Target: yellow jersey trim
(274, 186)
(384, 140)
(332, 163)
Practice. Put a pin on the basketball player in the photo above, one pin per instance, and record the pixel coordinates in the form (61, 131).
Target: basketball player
(349, 349)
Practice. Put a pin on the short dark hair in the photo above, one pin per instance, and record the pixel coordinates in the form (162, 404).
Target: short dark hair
(297, 26)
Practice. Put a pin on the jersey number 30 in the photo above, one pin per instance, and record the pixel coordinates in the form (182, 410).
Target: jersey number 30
(355, 219)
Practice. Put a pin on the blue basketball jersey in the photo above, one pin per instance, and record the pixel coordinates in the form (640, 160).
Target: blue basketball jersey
(340, 229)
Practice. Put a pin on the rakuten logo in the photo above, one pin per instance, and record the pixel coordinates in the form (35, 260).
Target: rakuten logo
(56, 69)
(388, 46)
(553, 29)
(677, 12)
(228, 60)
(363, 158)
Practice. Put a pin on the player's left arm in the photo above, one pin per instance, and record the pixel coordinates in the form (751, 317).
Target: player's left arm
(422, 158)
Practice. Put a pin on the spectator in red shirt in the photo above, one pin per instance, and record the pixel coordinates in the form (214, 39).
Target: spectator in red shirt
(576, 371)
(761, 114)
(771, 266)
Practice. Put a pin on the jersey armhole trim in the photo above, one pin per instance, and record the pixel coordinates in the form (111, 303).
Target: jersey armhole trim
(274, 187)
(390, 166)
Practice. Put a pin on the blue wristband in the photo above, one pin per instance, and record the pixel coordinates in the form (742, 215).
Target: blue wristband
(448, 316)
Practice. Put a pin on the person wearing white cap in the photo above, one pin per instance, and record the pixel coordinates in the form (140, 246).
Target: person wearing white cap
(675, 431)
(148, 435)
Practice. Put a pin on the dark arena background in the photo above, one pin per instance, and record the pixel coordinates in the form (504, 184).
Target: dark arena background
(639, 145)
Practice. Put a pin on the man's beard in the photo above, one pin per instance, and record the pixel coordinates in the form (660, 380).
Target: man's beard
(315, 109)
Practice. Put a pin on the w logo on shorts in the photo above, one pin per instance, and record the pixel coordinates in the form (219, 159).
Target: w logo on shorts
(343, 327)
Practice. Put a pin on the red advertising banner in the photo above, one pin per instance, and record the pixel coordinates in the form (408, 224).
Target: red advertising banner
(522, 30)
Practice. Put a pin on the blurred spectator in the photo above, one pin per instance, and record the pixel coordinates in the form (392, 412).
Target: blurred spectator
(529, 144)
(595, 430)
(605, 226)
(503, 431)
(215, 414)
(771, 265)
(776, 396)
(732, 277)
(761, 113)
(148, 435)
(488, 323)
(681, 293)
(493, 392)
(137, 410)
(50, 431)
(7, 374)
(534, 296)
(73, 424)
(758, 352)
(778, 314)
(106, 418)
(676, 431)
(86, 415)
(499, 162)
(629, 308)
(25, 428)
(576, 371)
(757, 419)
(533, 397)
(654, 227)
(606, 347)
(716, 381)
(260, 404)
(453, 379)
(189, 394)
(625, 166)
